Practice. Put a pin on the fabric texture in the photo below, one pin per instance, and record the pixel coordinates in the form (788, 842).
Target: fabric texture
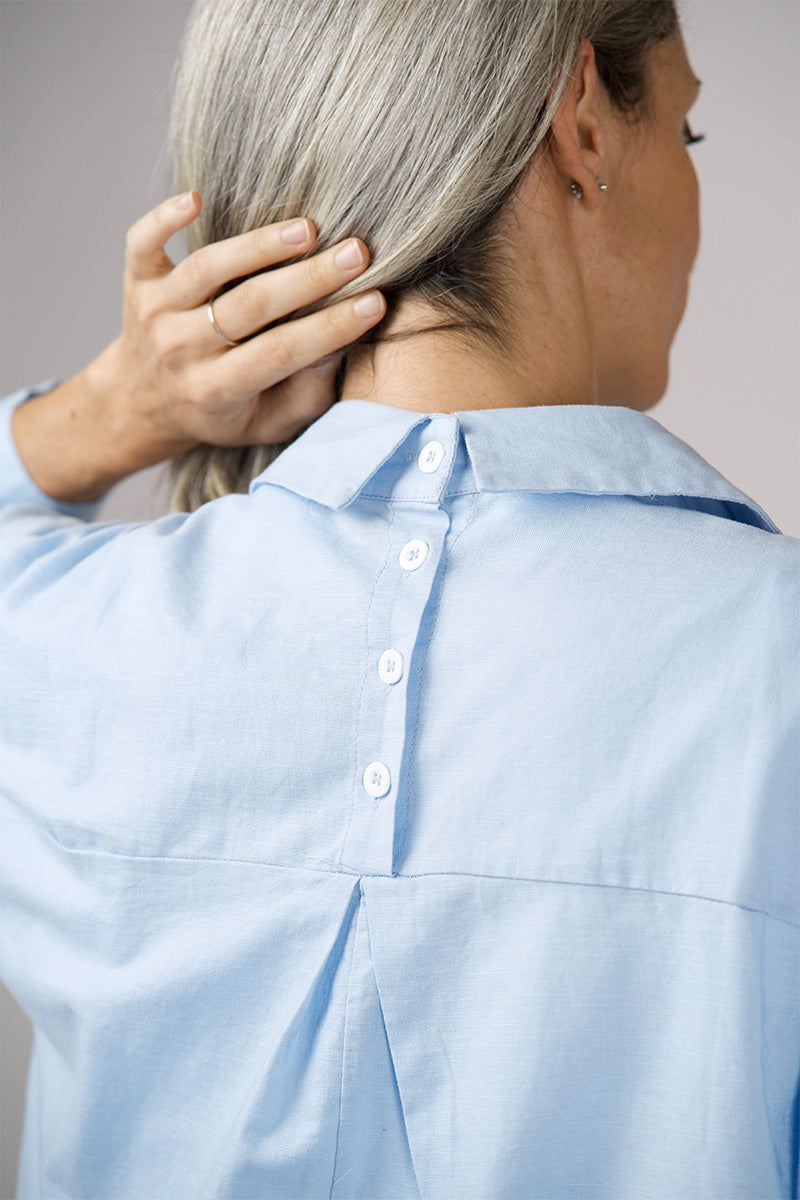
(423, 824)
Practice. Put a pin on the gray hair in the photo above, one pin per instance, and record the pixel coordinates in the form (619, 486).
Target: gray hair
(406, 123)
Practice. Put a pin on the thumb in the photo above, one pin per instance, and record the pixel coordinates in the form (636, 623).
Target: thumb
(145, 256)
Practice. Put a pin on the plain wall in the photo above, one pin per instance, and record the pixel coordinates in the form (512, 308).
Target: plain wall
(84, 96)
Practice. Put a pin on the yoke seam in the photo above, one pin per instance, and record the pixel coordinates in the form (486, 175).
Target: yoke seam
(252, 862)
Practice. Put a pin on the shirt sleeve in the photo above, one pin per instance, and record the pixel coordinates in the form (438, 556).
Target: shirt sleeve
(44, 541)
(16, 485)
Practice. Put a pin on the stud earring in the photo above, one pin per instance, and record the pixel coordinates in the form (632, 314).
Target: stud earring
(577, 190)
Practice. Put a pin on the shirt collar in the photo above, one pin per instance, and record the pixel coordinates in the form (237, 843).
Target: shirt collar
(589, 449)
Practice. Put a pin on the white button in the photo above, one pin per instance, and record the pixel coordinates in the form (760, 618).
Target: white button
(430, 457)
(390, 666)
(413, 554)
(377, 779)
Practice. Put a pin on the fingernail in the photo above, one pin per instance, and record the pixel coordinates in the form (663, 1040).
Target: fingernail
(183, 202)
(295, 233)
(349, 255)
(369, 305)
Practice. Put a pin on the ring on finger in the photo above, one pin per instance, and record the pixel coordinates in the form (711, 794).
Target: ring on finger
(215, 326)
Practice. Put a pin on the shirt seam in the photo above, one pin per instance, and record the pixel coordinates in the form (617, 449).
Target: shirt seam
(435, 597)
(345, 1024)
(358, 730)
(421, 875)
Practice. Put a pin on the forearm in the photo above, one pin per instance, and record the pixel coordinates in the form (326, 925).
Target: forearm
(79, 439)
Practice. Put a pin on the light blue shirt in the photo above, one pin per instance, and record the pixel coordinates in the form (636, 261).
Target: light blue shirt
(423, 824)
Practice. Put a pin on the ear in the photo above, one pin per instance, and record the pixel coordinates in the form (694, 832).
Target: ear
(576, 136)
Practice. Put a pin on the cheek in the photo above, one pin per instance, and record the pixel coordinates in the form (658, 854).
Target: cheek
(687, 232)
(681, 240)
(696, 218)
(691, 223)
(676, 212)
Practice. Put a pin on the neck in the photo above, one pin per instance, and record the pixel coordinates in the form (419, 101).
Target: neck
(553, 360)
(435, 372)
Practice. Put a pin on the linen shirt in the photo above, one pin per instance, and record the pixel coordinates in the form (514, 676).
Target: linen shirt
(423, 823)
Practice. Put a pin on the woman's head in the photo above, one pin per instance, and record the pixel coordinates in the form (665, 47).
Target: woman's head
(411, 125)
(636, 251)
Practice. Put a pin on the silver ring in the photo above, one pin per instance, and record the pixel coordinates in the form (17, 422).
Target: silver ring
(215, 326)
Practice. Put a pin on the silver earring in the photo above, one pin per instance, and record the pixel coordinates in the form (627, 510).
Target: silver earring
(577, 190)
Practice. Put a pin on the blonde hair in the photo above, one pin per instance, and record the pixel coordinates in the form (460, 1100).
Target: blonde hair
(407, 123)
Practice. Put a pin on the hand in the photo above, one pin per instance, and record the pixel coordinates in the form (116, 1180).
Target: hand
(170, 372)
(169, 383)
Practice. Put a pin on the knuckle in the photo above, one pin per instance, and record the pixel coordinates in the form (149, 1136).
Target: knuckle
(195, 269)
(279, 350)
(264, 242)
(320, 271)
(338, 317)
(168, 346)
(251, 307)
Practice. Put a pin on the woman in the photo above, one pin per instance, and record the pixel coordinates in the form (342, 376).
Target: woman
(413, 811)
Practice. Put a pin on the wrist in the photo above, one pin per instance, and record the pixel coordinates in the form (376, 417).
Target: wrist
(81, 438)
(137, 435)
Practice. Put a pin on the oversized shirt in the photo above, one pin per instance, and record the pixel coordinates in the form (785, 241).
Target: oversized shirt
(423, 824)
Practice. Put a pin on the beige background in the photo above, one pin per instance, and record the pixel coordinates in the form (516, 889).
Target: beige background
(84, 95)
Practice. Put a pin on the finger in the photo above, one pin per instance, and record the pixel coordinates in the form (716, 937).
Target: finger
(202, 274)
(145, 240)
(271, 295)
(291, 407)
(277, 353)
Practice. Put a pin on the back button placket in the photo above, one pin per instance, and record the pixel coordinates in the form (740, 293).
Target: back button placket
(401, 594)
